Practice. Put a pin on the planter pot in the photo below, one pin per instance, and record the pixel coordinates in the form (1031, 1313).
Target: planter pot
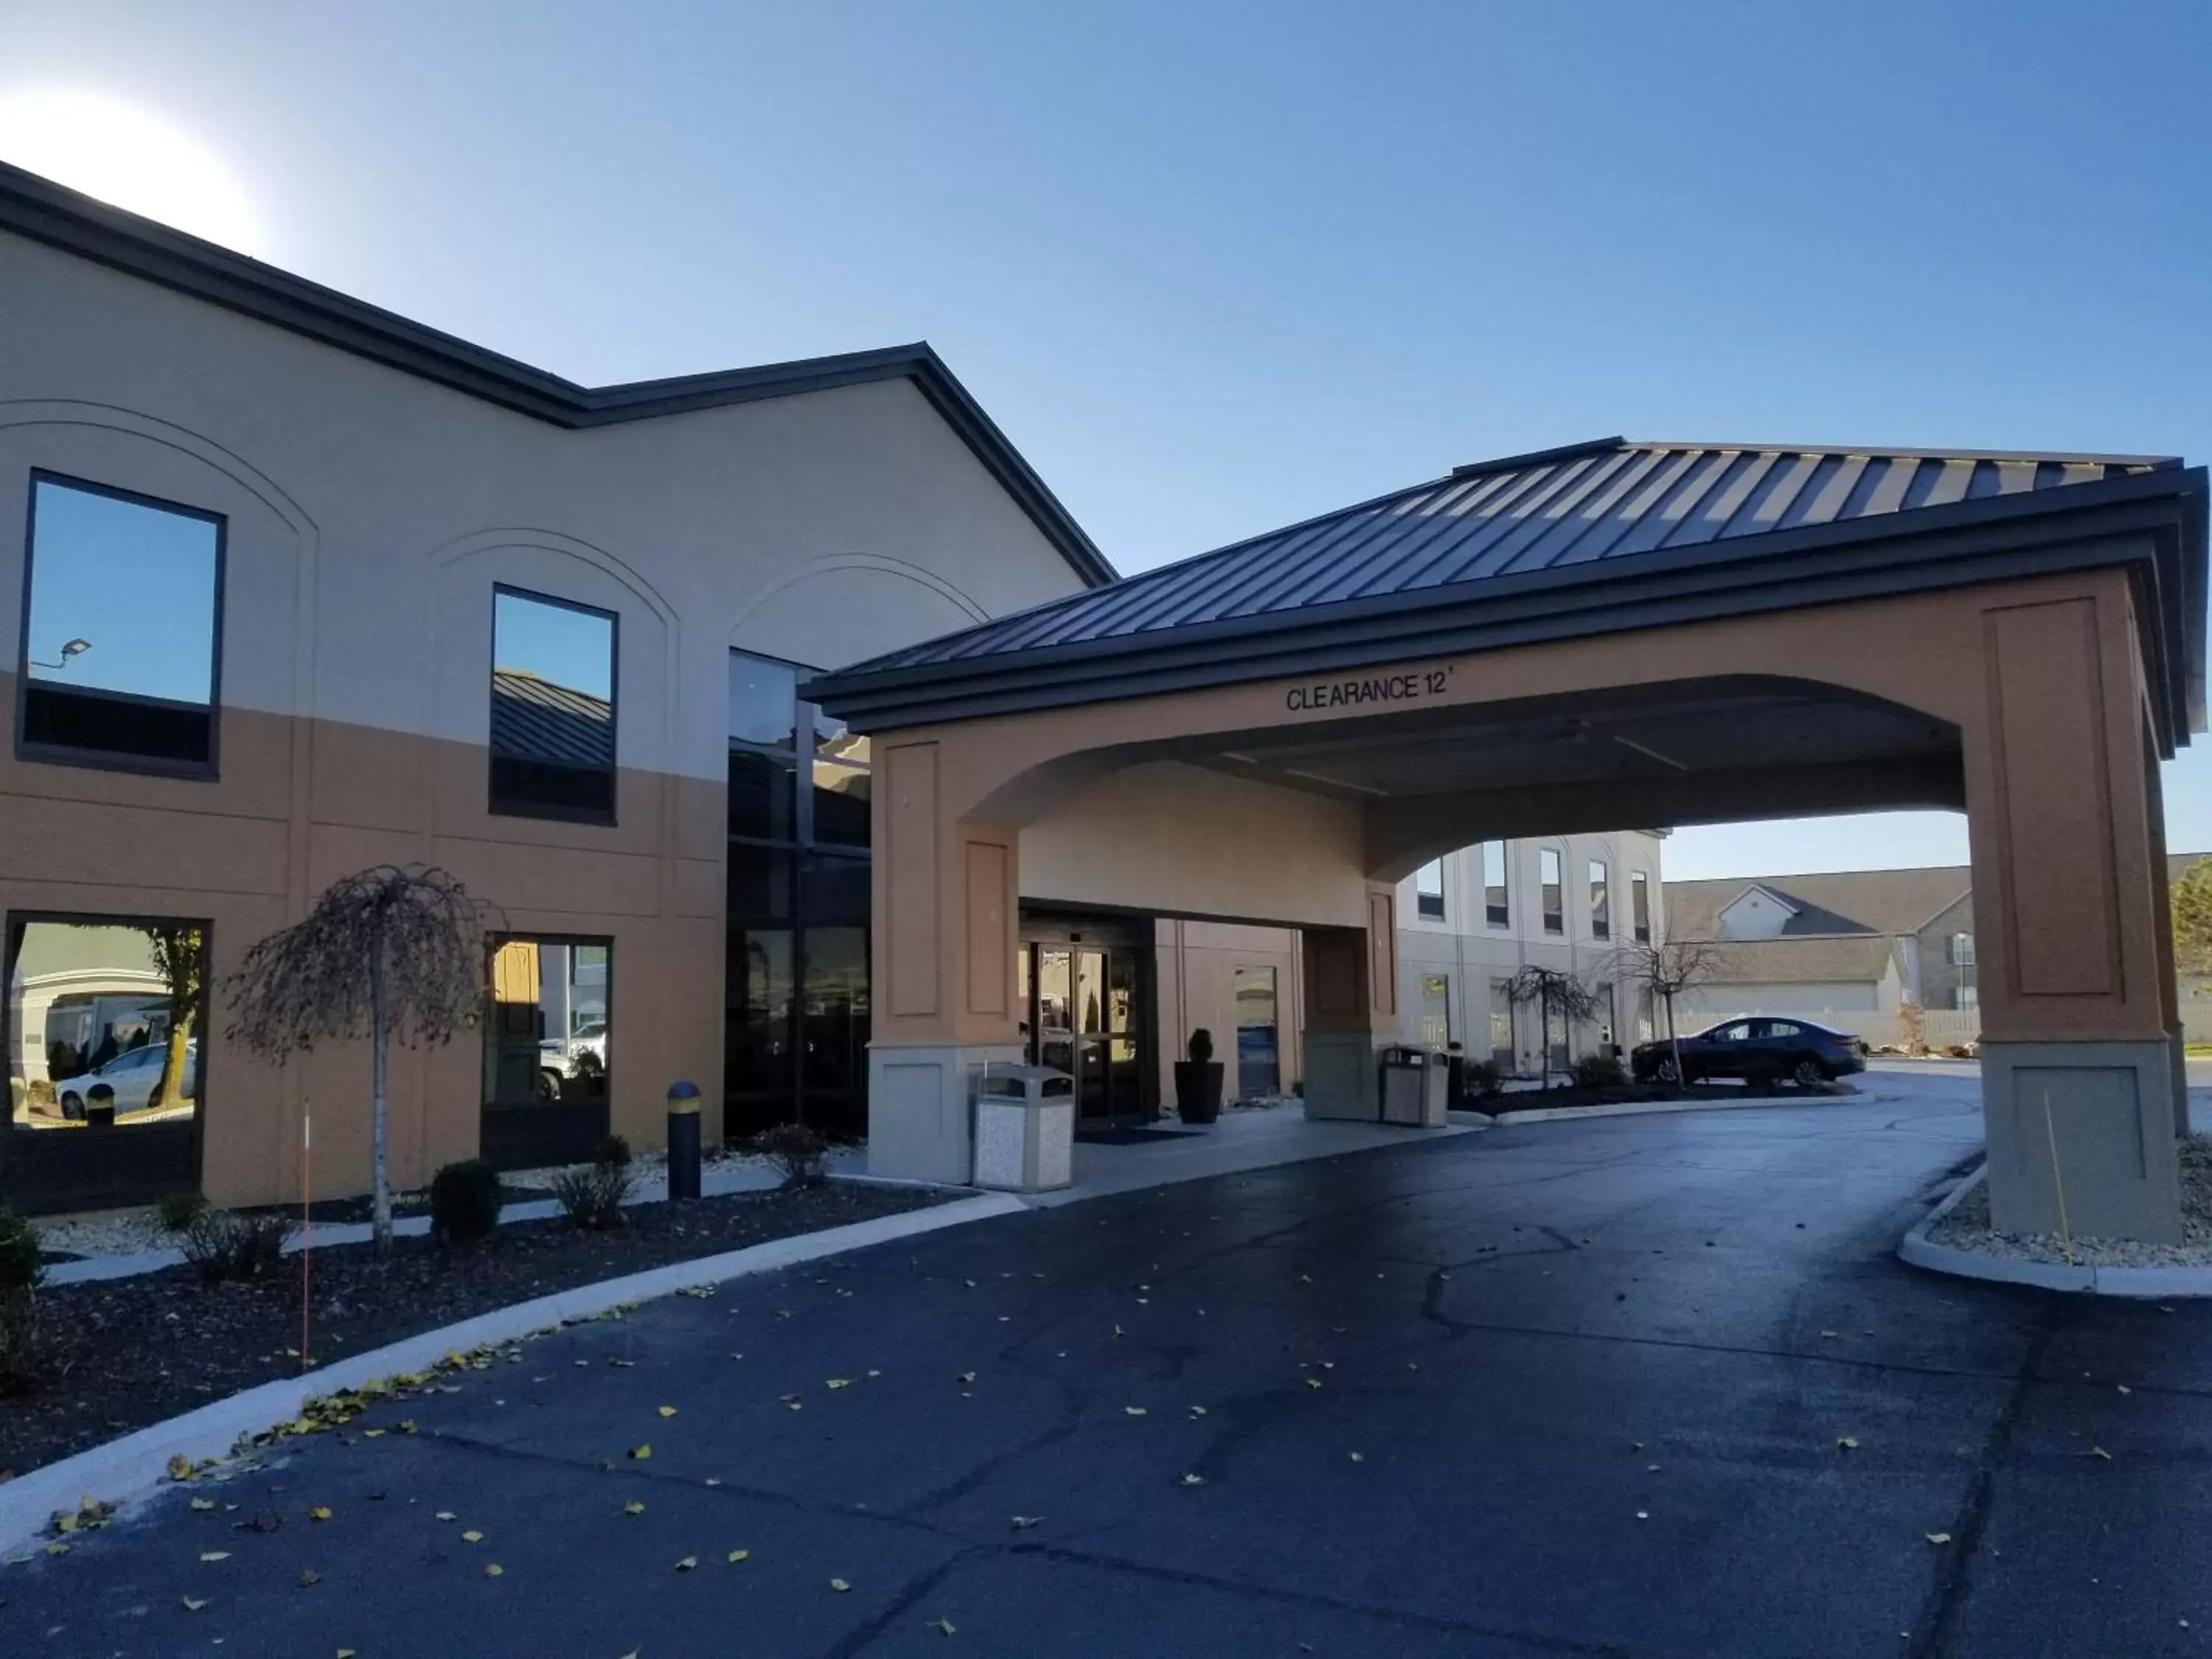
(1198, 1089)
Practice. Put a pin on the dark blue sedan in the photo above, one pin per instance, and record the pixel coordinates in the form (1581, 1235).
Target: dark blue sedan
(1760, 1048)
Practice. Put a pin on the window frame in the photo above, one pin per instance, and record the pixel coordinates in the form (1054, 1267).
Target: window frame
(1599, 874)
(1640, 907)
(1423, 900)
(494, 942)
(108, 760)
(1554, 920)
(611, 818)
(1498, 915)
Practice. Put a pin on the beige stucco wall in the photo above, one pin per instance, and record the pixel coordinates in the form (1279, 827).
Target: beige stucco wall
(369, 515)
(1196, 964)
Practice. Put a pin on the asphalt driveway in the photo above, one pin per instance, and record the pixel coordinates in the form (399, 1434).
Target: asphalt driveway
(1573, 1388)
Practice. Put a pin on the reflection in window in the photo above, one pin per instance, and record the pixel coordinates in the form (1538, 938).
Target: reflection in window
(763, 748)
(1601, 900)
(1548, 872)
(1259, 1047)
(1429, 890)
(1639, 892)
(103, 1024)
(1494, 907)
(841, 781)
(1436, 1009)
(119, 657)
(552, 709)
(550, 1023)
(1501, 1025)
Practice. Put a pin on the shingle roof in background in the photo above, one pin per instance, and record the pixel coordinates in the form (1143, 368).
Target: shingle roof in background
(1799, 961)
(1878, 901)
(533, 718)
(1547, 510)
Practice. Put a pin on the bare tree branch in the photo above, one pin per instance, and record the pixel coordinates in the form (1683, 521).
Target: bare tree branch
(1667, 969)
(1553, 992)
(387, 952)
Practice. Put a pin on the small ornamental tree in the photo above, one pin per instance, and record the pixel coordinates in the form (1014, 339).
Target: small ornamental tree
(388, 952)
(1666, 970)
(1554, 992)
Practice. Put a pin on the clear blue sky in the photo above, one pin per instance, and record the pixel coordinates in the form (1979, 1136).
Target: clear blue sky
(1217, 267)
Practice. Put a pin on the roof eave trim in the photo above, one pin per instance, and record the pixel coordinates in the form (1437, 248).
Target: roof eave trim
(37, 208)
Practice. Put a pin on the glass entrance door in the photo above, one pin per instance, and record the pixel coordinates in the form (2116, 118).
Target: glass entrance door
(1086, 1024)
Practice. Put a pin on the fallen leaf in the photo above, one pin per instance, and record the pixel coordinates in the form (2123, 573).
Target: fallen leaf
(2099, 1452)
(1193, 1480)
(181, 1467)
(1939, 1537)
(1198, 1410)
(215, 1555)
(1024, 1523)
(967, 1377)
(839, 1585)
(348, 1653)
(1135, 1411)
(633, 1508)
(320, 1512)
(740, 1555)
(1359, 1457)
(639, 1453)
(686, 1563)
(472, 1537)
(1847, 1442)
(1313, 1382)
(203, 1502)
(194, 1603)
(1644, 1515)
(668, 1411)
(839, 1383)
(493, 1569)
(309, 1578)
(448, 1515)
(945, 1626)
(58, 1549)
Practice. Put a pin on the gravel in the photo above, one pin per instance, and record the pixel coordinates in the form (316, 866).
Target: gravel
(1967, 1227)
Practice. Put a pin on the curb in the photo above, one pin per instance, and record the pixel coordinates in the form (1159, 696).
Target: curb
(1918, 1249)
(1509, 1119)
(124, 1471)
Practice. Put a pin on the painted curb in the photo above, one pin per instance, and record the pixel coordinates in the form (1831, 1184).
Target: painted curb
(1918, 1249)
(124, 1471)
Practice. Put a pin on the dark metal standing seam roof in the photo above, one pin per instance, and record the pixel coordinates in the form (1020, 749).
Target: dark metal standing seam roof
(534, 719)
(1574, 518)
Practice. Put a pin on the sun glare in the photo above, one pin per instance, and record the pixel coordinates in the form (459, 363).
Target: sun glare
(130, 158)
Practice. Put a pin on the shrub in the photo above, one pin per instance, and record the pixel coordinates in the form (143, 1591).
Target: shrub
(224, 1245)
(176, 1210)
(20, 1268)
(1600, 1072)
(1482, 1079)
(612, 1150)
(797, 1151)
(1201, 1046)
(464, 1202)
(591, 1196)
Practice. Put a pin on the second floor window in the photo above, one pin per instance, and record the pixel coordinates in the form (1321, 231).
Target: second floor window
(552, 709)
(770, 728)
(122, 639)
(1497, 910)
(1962, 950)
(1601, 900)
(1553, 882)
(1429, 890)
(1639, 899)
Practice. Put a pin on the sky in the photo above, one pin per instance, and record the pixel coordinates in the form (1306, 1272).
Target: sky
(1214, 267)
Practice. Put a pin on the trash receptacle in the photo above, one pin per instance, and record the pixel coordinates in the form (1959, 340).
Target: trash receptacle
(1024, 1128)
(1404, 1085)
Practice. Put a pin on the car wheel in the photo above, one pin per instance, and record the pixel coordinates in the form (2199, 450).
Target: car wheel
(1669, 1073)
(549, 1085)
(1809, 1073)
(73, 1107)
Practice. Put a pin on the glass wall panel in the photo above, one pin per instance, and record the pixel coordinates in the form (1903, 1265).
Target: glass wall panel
(1548, 870)
(1601, 900)
(1436, 1009)
(841, 782)
(1639, 892)
(120, 649)
(1259, 1038)
(1496, 912)
(835, 1006)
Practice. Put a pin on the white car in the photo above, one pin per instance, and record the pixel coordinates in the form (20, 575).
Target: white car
(135, 1075)
(583, 1056)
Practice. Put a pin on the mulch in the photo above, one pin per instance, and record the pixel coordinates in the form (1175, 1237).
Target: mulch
(1533, 1100)
(134, 1351)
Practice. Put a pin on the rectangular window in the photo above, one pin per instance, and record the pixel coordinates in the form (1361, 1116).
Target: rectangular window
(1436, 1009)
(1429, 890)
(1639, 895)
(552, 709)
(1962, 950)
(1601, 900)
(763, 748)
(1608, 1015)
(548, 1053)
(1501, 1025)
(840, 780)
(121, 630)
(1553, 883)
(1496, 907)
(101, 1030)
(1969, 996)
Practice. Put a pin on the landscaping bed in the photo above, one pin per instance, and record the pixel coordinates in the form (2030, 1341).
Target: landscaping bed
(1966, 1227)
(132, 1352)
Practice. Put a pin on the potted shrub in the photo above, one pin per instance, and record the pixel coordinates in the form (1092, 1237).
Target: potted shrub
(1198, 1080)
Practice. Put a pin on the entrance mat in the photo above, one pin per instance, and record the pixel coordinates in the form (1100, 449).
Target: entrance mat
(1120, 1137)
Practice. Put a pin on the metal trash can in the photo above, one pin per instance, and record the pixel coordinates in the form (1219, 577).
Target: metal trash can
(1024, 1128)
(1405, 1083)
